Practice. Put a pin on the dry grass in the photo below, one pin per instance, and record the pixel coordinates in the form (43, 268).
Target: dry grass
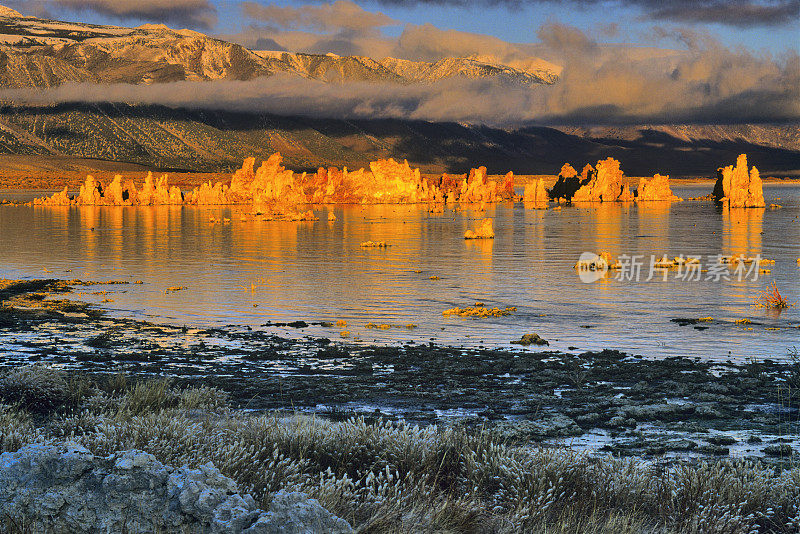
(389, 477)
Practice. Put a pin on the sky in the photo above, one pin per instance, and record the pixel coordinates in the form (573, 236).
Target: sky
(771, 26)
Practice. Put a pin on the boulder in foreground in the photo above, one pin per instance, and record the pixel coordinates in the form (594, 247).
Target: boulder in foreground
(64, 488)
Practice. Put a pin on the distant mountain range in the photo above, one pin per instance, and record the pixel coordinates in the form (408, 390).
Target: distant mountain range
(38, 52)
(208, 140)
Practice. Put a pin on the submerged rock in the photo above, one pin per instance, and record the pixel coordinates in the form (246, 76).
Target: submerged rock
(484, 231)
(530, 339)
(739, 188)
(547, 425)
(64, 488)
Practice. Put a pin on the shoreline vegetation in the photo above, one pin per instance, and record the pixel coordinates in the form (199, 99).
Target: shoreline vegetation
(386, 476)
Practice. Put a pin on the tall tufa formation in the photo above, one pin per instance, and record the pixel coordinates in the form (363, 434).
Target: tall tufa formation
(737, 187)
(606, 184)
(535, 194)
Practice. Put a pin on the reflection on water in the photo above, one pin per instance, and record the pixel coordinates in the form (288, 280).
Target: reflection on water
(250, 271)
(742, 230)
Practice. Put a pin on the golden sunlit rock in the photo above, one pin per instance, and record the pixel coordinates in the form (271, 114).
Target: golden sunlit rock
(737, 187)
(273, 189)
(536, 194)
(278, 193)
(58, 199)
(606, 184)
(655, 189)
(91, 192)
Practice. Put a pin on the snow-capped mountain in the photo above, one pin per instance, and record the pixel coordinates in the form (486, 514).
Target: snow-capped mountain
(470, 67)
(37, 52)
(330, 67)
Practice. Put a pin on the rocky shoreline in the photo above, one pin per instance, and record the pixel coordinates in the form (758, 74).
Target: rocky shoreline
(603, 401)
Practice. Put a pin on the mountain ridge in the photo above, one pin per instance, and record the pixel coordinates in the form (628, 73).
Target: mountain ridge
(159, 137)
(37, 52)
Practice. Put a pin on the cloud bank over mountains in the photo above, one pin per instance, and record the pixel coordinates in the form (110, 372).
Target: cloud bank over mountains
(689, 77)
(202, 14)
(739, 13)
(193, 13)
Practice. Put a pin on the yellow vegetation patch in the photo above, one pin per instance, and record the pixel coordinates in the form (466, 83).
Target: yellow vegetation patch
(479, 311)
(175, 288)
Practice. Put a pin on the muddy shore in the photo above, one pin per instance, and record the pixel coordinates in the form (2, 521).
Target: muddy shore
(606, 401)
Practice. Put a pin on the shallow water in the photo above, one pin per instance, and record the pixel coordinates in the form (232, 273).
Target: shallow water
(251, 272)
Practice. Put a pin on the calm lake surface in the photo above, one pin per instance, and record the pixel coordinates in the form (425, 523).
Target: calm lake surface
(251, 272)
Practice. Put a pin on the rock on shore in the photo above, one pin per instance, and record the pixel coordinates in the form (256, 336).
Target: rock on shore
(64, 488)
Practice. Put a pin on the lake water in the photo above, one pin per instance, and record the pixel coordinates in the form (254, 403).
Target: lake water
(251, 272)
